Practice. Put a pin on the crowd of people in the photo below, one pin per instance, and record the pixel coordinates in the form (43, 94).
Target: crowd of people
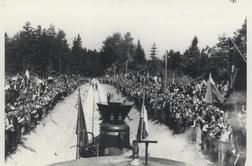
(29, 99)
(182, 107)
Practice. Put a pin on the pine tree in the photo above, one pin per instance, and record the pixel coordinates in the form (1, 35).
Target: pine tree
(111, 51)
(154, 64)
(153, 52)
(139, 57)
(63, 53)
(191, 57)
(25, 46)
(77, 53)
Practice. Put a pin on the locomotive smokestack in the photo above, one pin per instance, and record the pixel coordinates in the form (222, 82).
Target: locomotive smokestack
(114, 112)
(114, 133)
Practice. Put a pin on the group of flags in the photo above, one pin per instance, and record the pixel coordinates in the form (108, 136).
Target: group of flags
(29, 84)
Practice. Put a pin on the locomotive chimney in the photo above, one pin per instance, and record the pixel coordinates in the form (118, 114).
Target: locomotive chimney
(114, 133)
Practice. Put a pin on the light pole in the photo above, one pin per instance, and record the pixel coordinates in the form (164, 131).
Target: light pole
(126, 67)
(166, 54)
(60, 56)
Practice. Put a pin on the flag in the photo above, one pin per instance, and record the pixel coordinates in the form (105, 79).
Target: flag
(25, 89)
(173, 78)
(142, 131)
(81, 129)
(213, 95)
(27, 74)
(27, 78)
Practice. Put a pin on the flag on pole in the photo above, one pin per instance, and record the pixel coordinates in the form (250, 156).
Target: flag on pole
(27, 74)
(81, 129)
(173, 78)
(25, 87)
(27, 78)
(142, 131)
(213, 95)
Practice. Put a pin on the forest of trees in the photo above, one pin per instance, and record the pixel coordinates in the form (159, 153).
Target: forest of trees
(46, 51)
(198, 63)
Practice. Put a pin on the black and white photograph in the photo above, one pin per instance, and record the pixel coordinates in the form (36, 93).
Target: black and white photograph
(125, 82)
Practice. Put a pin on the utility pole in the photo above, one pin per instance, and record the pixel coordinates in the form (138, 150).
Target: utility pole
(166, 54)
(114, 71)
(60, 56)
(127, 62)
(126, 66)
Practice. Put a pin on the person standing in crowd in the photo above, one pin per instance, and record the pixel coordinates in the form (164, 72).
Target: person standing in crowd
(225, 144)
(108, 98)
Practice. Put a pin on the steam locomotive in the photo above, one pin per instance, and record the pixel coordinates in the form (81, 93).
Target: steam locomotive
(112, 145)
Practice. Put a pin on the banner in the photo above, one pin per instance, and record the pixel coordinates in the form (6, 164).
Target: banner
(213, 95)
(81, 129)
(143, 131)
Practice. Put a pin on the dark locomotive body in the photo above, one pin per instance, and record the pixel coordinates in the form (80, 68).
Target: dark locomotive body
(113, 141)
(114, 134)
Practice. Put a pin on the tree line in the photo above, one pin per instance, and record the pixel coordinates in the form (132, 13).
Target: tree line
(198, 63)
(46, 51)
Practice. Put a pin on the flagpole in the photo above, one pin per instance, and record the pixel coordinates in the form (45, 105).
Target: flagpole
(142, 125)
(78, 137)
(142, 114)
(78, 125)
(243, 57)
(93, 109)
(77, 149)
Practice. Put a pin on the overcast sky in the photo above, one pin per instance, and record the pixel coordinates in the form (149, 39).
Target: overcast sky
(171, 24)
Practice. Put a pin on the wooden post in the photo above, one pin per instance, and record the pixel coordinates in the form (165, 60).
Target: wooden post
(146, 152)
(97, 149)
